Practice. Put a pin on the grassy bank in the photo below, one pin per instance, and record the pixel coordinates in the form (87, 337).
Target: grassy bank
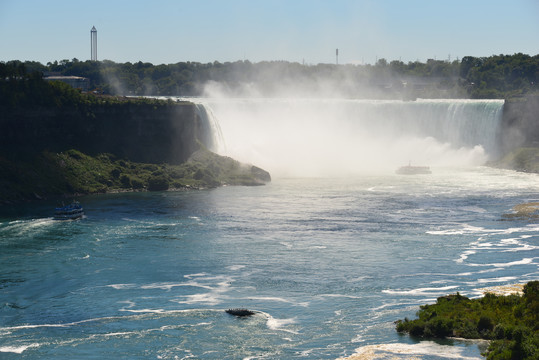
(511, 323)
(73, 172)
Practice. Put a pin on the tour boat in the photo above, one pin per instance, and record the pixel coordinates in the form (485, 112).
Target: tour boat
(413, 170)
(69, 212)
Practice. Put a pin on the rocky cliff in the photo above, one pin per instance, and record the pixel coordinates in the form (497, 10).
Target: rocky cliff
(109, 145)
(142, 131)
(520, 124)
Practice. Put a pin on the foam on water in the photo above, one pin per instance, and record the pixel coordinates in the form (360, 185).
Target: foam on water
(280, 324)
(409, 351)
(326, 264)
(17, 349)
(422, 291)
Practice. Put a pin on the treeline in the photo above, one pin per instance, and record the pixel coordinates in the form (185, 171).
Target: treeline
(22, 86)
(499, 76)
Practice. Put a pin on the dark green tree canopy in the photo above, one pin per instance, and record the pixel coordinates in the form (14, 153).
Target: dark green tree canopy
(498, 76)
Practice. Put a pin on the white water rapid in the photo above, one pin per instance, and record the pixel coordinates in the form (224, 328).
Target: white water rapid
(341, 137)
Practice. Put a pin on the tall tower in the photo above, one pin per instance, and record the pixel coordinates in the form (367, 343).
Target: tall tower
(93, 41)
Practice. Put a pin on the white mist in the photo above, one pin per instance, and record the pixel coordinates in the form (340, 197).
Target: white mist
(339, 137)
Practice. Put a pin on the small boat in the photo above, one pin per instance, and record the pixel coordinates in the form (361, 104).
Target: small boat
(413, 170)
(69, 212)
(240, 312)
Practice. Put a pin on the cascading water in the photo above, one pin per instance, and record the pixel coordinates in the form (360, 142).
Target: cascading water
(332, 137)
(210, 127)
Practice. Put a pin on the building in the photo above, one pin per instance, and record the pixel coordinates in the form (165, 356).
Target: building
(77, 82)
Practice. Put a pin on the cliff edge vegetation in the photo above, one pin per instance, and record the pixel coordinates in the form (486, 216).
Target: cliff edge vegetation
(55, 140)
(73, 172)
(511, 322)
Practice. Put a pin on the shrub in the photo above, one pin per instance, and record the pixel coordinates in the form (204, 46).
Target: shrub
(199, 174)
(417, 329)
(115, 173)
(137, 183)
(485, 324)
(442, 327)
(401, 325)
(177, 184)
(75, 154)
(158, 183)
(150, 167)
(125, 181)
(499, 332)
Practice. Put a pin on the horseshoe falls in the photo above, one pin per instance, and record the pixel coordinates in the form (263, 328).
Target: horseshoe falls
(332, 137)
(328, 255)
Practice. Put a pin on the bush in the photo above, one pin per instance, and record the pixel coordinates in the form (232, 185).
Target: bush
(125, 181)
(150, 167)
(137, 184)
(199, 174)
(442, 327)
(177, 185)
(158, 183)
(115, 173)
(417, 329)
(485, 324)
(499, 332)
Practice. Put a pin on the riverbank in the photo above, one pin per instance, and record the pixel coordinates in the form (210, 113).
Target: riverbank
(509, 322)
(427, 347)
(525, 159)
(73, 173)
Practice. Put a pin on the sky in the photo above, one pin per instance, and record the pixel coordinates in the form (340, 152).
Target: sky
(304, 31)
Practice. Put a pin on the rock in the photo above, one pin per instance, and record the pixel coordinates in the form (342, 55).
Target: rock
(240, 312)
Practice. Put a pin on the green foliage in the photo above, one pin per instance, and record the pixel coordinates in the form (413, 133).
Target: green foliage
(125, 180)
(158, 183)
(498, 76)
(511, 322)
(73, 172)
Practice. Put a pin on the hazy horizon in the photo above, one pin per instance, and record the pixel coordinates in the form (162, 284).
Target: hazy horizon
(301, 31)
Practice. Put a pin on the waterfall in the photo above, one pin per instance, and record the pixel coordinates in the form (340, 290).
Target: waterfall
(212, 134)
(327, 137)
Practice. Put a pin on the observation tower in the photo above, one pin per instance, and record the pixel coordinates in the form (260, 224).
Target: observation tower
(93, 42)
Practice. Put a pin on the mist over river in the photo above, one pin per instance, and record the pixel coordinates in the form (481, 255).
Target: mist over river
(327, 256)
(344, 137)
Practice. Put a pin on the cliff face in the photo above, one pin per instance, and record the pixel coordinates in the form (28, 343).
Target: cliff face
(156, 145)
(520, 124)
(138, 131)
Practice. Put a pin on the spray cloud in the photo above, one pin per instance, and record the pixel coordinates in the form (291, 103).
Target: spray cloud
(341, 137)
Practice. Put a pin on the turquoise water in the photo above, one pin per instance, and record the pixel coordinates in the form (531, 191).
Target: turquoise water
(327, 264)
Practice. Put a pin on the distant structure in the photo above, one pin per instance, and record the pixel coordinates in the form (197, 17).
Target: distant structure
(93, 41)
(77, 82)
(337, 56)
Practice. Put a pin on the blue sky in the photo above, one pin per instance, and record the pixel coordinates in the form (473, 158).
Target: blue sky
(167, 31)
